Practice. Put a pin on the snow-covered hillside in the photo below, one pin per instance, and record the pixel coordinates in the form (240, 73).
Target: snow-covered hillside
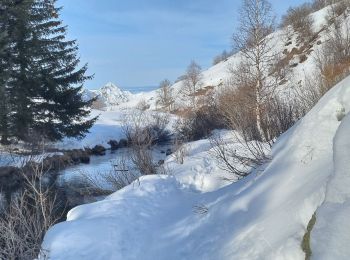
(263, 216)
(193, 213)
(285, 43)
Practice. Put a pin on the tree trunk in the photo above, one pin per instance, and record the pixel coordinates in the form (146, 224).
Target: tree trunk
(258, 114)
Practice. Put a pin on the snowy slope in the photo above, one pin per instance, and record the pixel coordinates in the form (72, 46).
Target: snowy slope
(108, 127)
(331, 234)
(261, 217)
(282, 41)
(115, 99)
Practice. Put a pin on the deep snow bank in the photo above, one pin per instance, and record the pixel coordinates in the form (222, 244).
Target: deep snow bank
(331, 234)
(261, 217)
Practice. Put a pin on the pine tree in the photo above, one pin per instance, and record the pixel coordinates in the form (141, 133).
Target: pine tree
(45, 82)
(4, 73)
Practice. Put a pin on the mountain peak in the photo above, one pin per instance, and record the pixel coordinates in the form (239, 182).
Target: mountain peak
(110, 85)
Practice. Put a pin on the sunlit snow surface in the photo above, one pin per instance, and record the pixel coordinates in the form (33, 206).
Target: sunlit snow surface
(192, 213)
(261, 217)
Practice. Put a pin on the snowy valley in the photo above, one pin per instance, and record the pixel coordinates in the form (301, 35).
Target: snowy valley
(179, 178)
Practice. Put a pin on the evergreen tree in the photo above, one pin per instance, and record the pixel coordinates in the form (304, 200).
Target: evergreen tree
(45, 82)
(4, 73)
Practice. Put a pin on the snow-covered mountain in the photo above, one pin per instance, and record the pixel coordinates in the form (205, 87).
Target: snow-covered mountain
(107, 96)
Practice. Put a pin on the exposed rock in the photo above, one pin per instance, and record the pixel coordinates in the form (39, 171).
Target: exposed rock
(99, 150)
(168, 152)
(78, 156)
(114, 144)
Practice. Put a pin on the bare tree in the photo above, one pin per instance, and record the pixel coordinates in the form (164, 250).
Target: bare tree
(165, 95)
(251, 38)
(192, 82)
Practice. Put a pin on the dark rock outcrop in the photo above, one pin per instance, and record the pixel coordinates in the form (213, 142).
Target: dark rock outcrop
(114, 145)
(168, 152)
(99, 150)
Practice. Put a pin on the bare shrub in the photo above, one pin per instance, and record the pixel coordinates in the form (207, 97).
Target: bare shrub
(238, 156)
(142, 105)
(338, 8)
(279, 116)
(333, 60)
(199, 123)
(310, 92)
(299, 18)
(106, 183)
(146, 128)
(181, 151)
(31, 213)
(143, 131)
(239, 113)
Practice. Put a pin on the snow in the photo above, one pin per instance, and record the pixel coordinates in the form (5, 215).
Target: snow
(108, 127)
(263, 216)
(193, 213)
(331, 236)
(319, 18)
(109, 95)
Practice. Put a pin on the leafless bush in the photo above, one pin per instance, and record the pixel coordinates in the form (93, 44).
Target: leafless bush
(143, 131)
(199, 123)
(338, 8)
(142, 105)
(333, 60)
(31, 213)
(238, 156)
(142, 158)
(106, 183)
(299, 18)
(148, 129)
(319, 4)
(181, 151)
(238, 109)
(279, 116)
(164, 169)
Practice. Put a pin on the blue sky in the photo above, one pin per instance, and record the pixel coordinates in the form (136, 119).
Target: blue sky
(140, 42)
